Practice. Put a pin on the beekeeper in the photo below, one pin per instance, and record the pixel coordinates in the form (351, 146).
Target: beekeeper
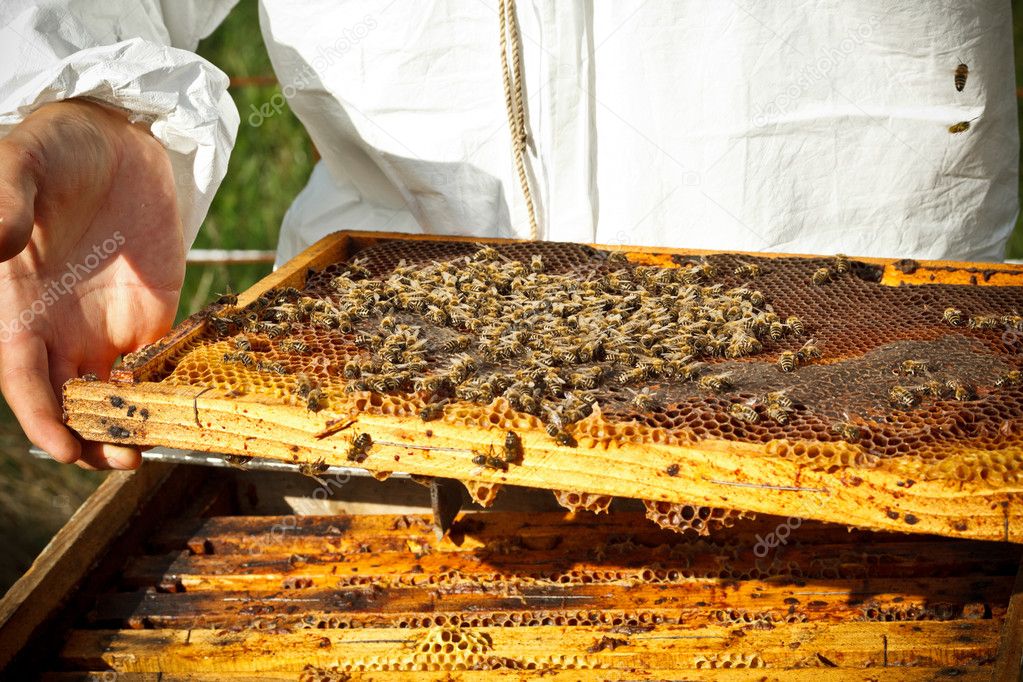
(723, 125)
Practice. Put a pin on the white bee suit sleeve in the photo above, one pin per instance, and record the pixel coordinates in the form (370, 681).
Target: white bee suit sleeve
(136, 55)
(801, 127)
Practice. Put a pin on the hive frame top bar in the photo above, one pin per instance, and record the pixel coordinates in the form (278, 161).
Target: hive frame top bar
(757, 485)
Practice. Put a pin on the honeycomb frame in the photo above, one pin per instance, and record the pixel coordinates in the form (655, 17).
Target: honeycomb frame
(815, 476)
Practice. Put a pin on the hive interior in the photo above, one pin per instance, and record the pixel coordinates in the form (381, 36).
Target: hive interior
(641, 347)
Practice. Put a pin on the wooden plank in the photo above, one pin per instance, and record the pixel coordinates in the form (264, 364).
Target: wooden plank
(696, 603)
(666, 647)
(1009, 665)
(619, 562)
(71, 554)
(914, 674)
(711, 473)
(472, 531)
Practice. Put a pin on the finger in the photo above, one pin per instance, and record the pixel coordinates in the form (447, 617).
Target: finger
(60, 371)
(20, 169)
(109, 456)
(25, 382)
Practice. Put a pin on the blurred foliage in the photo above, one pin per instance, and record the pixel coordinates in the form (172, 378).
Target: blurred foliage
(1015, 248)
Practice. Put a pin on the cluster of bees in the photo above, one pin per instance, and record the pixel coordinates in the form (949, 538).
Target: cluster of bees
(825, 274)
(486, 326)
(955, 317)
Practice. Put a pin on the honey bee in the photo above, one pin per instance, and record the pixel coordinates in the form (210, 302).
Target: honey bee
(222, 325)
(226, 299)
(809, 351)
(458, 343)
(238, 461)
(846, 431)
(1013, 321)
(486, 254)
(960, 390)
(351, 370)
(242, 357)
(490, 462)
(293, 346)
(304, 385)
(742, 344)
(273, 368)
(787, 361)
(821, 276)
(314, 400)
(983, 322)
(313, 469)
(432, 411)
(644, 400)
(776, 331)
(437, 315)
(795, 325)
(779, 398)
(953, 317)
(745, 413)
(271, 329)
(716, 382)
(512, 448)
(960, 127)
(959, 78)
(748, 270)
(617, 259)
(914, 367)
(1011, 378)
(359, 449)
(433, 383)
(936, 388)
(242, 343)
(900, 396)
(779, 412)
(841, 263)
(536, 264)
(461, 367)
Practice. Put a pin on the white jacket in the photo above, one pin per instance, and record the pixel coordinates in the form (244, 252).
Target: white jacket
(801, 127)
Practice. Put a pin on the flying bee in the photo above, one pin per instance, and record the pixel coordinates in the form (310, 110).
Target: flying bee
(959, 78)
(914, 367)
(841, 263)
(294, 346)
(961, 127)
(490, 462)
(953, 317)
(242, 357)
(432, 411)
(787, 361)
(314, 400)
(359, 449)
(1012, 378)
(776, 330)
(821, 276)
(512, 448)
(809, 351)
(846, 431)
(536, 264)
(226, 299)
(748, 270)
(744, 412)
(716, 382)
(795, 325)
(983, 322)
(900, 396)
(960, 389)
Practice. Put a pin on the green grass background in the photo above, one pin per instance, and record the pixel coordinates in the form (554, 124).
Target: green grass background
(269, 166)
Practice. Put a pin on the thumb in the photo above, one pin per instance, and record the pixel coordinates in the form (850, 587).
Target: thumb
(20, 170)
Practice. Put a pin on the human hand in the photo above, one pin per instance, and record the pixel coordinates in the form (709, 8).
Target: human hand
(91, 261)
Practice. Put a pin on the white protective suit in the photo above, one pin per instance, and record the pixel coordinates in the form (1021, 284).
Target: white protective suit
(800, 127)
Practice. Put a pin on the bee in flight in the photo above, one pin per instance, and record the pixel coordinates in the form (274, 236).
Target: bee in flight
(961, 73)
(961, 127)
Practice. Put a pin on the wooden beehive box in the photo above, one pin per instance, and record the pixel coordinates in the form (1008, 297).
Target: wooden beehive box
(186, 573)
(942, 456)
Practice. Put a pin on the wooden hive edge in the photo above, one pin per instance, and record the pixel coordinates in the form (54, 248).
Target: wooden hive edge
(713, 473)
